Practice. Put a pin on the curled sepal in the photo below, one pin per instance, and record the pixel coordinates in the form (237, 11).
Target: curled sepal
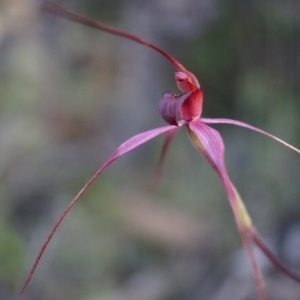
(189, 105)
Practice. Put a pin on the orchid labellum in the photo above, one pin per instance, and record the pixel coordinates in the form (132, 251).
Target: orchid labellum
(183, 111)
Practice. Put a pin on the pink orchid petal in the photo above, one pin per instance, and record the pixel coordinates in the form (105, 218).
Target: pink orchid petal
(245, 125)
(258, 279)
(127, 146)
(158, 169)
(273, 259)
(210, 144)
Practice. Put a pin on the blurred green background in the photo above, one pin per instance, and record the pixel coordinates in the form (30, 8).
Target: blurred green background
(70, 95)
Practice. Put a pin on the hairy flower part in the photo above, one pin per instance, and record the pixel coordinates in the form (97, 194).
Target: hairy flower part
(208, 141)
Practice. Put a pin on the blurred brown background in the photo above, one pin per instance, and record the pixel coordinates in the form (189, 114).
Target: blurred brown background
(70, 95)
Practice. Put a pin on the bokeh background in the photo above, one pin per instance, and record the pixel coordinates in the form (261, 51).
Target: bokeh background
(69, 95)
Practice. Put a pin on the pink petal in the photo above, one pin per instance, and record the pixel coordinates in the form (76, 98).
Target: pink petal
(209, 142)
(262, 246)
(242, 124)
(158, 170)
(127, 146)
(61, 11)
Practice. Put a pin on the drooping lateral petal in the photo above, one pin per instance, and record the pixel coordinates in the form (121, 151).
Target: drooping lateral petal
(245, 125)
(210, 144)
(158, 169)
(170, 105)
(127, 146)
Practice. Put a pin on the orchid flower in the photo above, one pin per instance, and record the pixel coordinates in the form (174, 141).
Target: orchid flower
(183, 111)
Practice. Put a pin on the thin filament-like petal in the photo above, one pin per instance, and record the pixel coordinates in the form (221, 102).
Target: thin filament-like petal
(158, 169)
(127, 146)
(61, 11)
(273, 259)
(245, 125)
